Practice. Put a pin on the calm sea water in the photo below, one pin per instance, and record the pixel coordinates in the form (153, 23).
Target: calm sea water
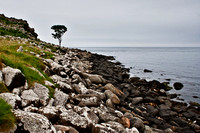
(177, 64)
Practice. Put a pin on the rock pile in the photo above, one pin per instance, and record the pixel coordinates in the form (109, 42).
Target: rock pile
(95, 95)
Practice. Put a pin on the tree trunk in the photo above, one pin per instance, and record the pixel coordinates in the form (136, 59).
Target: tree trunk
(59, 40)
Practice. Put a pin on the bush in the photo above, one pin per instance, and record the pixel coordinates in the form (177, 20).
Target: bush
(7, 118)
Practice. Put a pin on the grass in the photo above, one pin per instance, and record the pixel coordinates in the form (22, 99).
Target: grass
(24, 61)
(7, 118)
(12, 32)
(3, 88)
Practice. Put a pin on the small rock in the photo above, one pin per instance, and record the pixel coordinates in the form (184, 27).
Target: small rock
(20, 49)
(64, 87)
(1, 76)
(178, 85)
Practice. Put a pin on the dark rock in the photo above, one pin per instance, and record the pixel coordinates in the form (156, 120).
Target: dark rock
(178, 85)
(147, 71)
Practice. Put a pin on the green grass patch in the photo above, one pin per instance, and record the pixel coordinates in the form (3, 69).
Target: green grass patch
(7, 118)
(12, 32)
(3, 88)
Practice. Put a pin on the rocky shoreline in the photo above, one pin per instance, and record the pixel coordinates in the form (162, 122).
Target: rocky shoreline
(84, 92)
(94, 94)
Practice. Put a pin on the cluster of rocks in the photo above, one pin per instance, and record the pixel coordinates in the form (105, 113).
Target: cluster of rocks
(94, 94)
(18, 25)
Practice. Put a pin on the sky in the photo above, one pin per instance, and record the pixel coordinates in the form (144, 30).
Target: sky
(112, 23)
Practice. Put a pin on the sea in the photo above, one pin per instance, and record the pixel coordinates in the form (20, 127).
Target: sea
(168, 64)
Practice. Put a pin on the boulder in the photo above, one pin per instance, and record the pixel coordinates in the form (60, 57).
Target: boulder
(69, 117)
(91, 117)
(42, 92)
(12, 99)
(178, 85)
(112, 88)
(114, 98)
(81, 88)
(33, 122)
(60, 98)
(29, 97)
(13, 78)
(56, 68)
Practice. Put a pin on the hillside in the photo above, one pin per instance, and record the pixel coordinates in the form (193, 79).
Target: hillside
(45, 88)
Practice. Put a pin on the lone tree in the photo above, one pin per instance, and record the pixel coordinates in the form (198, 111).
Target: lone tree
(59, 31)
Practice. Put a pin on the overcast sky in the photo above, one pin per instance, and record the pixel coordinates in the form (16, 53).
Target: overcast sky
(99, 23)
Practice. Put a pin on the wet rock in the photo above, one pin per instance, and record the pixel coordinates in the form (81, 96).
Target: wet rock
(178, 85)
(113, 89)
(13, 78)
(60, 98)
(114, 98)
(29, 97)
(69, 117)
(12, 99)
(34, 123)
(42, 92)
(147, 71)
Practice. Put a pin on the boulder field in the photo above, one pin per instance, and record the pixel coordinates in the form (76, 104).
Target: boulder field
(94, 94)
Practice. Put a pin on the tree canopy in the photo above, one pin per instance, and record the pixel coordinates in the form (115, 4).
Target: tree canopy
(59, 31)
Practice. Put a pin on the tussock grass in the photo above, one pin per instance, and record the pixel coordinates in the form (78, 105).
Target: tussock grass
(7, 118)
